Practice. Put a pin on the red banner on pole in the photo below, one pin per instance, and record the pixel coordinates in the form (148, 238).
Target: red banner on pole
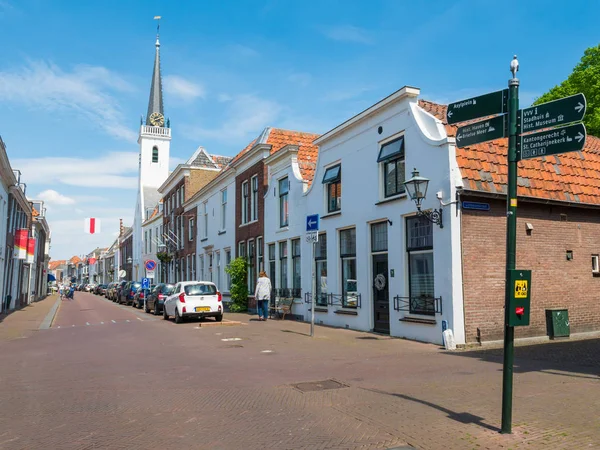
(30, 250)
(20, 247)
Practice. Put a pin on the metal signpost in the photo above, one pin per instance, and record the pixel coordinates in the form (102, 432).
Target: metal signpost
(512, 123)
(312, 235)
(150, 266)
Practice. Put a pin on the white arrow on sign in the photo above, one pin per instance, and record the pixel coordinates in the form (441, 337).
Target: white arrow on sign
(458, 137)
(450, 113)
(579, 137)
(311, 223)
(579, 107)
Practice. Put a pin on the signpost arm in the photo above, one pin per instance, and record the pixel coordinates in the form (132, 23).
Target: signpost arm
(314, 291)
(511, 244)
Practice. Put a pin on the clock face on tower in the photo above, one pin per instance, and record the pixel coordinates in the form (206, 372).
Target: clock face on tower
(157, 119)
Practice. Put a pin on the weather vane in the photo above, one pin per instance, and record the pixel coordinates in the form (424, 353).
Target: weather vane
(157, 25)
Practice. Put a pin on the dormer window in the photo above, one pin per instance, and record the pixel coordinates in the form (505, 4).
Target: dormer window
(155, 154)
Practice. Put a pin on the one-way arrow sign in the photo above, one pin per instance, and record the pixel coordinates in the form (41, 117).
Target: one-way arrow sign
(558, 140)
(473, 108)
(558, 112)
(486, 130)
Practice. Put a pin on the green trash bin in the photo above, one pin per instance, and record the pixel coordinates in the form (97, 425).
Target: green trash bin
(557, 323)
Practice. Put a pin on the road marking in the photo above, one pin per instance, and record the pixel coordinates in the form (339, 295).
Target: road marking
(267, 351)
(128, 320)
(141, 320)
(72, 325)
(232, 339)
(59, 326)
(113, 321)
(87, 323)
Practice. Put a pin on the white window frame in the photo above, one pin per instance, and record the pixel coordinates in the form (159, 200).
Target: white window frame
(595, 263)
(227, 276)
(254, 198)
(218, 264)
(191, 223)
(245, 193)
(201, 268)
(287, 203)
(205, 218)
(223, 209)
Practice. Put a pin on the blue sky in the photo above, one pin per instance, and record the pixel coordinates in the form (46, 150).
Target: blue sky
(75, 78)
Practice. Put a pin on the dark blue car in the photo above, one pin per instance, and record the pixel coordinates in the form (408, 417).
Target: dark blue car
(129, 291)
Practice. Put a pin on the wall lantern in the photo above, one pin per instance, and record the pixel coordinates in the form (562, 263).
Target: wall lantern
(416, 187)
(129, 260)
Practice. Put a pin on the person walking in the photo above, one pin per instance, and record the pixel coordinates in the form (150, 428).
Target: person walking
(262, 294)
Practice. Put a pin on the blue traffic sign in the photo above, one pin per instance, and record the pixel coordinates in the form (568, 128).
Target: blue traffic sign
(145, 283)
(312, 222)
(150, 264)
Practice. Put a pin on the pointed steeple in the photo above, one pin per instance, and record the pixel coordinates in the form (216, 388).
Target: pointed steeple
(155, 104)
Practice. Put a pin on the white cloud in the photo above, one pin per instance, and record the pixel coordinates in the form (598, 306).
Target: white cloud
(53, 197)
(109, 171)
(246, 116)
(302, 78)
(85, 91)
(348, 33)
(183, 89)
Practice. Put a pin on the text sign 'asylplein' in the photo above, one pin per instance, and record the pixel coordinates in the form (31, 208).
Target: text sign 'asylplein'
(559, 140)
(473, 108)
(558, 112)
(486, 130)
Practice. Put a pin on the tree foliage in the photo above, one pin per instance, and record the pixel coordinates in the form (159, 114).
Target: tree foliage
(585, 78)
(237, 270)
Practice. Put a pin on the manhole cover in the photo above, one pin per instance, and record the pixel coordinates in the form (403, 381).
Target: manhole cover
(312, 386)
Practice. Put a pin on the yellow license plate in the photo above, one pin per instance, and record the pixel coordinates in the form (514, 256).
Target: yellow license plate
(202, 308)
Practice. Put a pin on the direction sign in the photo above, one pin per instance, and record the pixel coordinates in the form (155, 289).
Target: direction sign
(473, 108)
(558, 140)
(486, 130)
(150, 264)
(145, 283)
(312, 223)
(558, 112)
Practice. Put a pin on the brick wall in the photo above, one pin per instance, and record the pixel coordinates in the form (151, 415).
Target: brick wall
(255, 229)
(556, 282)
(197, 180)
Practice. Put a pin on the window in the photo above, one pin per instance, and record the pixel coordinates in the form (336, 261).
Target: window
(200, 289)
(271, 256)
(194, 277)
(245, 202)
(182, 194)
(391, 157)
(333, 181)
(223, 209)
(284, 189)
(379, 239)
(154, 154)
(242, 250)
(201, 268)
(145, 242)
(191, 230)
(595, 264)
(181, 232)
(227, 262)
(259, 245)
(168, 206)
(321, 270)
(283, 265)
(150, 240)
(182, 269)
(177, 198)
(419, 245)
(251, 267)
(296, 268)
(218, 277)
(254, 198)
(210, 267)
(205, 217)
(187, 269)
(349, 279)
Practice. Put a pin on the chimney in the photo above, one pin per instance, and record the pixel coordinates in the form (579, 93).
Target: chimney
(120, 227)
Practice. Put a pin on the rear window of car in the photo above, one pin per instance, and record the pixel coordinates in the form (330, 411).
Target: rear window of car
(200, 289)
(168, 288)
(136, 285)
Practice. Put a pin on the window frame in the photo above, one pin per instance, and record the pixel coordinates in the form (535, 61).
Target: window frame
(272, 258)
(421, 248)
(205, 218)
(284, 200)
(245, 202)
(321, 258)
(333, 185)
(347, 257)
(283, 257)
(296, 245)
(191, 223)
(155, 154)
(259, 254)
(223, 209)
(227, 263)
(596, 264)
(254, 198)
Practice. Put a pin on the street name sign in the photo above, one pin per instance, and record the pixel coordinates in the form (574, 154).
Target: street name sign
(486, 130)
(473, 108)
(558, 140)
(558, 112)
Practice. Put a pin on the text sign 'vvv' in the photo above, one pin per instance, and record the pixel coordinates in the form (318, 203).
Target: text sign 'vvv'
(486, 130)
(473, 108)
(558, 112)
(558, 140)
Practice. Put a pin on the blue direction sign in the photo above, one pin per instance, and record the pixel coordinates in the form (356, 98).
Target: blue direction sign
(312, 223)
(150, 264)
(145, 283)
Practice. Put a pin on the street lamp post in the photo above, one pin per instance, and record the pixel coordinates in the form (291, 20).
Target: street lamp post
(416, 187)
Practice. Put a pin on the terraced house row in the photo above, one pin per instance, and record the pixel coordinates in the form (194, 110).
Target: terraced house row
(24, 241)
(380, 263)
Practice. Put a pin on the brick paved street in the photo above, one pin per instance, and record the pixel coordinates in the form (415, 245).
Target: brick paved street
(130, 380)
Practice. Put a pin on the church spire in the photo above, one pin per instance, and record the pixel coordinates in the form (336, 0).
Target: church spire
(155, 114)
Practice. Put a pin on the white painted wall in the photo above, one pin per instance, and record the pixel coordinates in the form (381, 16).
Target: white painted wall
(3, 230)
(356, 147)
(150, 249)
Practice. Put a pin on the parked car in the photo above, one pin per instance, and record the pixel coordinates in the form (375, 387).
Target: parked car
(194, 299)
(100, 289)
(89, 287)
(157, 296)
(117, 291)
(107, 290)
(128, 291)
(138, 298)
(111, 291)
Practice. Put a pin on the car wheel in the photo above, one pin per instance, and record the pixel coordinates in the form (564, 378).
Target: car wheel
(219, 318)
(178, 318)
(165, 315)
(155, 310)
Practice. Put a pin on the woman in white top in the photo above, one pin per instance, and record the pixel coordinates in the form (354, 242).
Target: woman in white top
(262, 294)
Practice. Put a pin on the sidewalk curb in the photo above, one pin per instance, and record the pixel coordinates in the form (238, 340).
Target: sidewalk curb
(47, 322)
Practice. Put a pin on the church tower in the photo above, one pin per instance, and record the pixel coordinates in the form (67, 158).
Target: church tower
(154, 141)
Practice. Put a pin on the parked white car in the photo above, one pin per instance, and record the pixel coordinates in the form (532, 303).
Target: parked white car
(194, 299)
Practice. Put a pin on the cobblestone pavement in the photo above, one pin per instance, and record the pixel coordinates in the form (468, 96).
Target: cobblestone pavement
(26, 321)
(150, 383)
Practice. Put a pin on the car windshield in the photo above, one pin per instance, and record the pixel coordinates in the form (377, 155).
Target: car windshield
(168, 289)
(200, 289)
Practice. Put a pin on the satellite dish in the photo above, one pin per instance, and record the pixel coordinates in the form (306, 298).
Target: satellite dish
(122, 273)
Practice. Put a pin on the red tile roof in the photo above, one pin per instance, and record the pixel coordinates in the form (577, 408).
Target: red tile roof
(52, 265)
(75, 260)
(570, 177)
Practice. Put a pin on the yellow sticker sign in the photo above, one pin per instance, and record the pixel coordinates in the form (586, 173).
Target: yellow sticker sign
(520, 288)
(513, 202)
